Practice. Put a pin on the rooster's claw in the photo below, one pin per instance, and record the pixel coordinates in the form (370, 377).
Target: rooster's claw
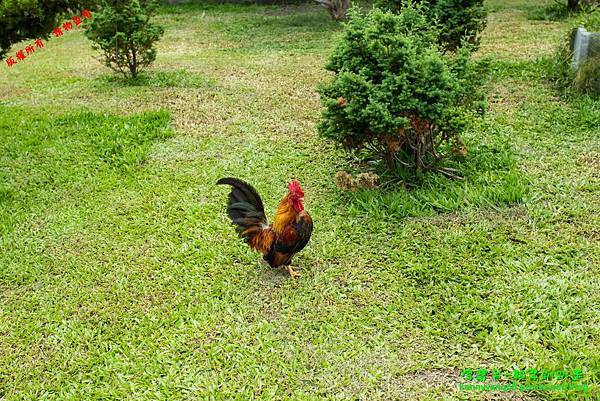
(292, 272)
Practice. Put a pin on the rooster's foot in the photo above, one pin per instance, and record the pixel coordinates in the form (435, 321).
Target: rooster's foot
(292, 272)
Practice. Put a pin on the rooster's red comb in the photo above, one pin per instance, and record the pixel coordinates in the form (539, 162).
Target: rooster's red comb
(295, 189)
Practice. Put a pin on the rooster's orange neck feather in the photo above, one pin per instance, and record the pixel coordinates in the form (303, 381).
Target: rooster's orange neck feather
(284, 215)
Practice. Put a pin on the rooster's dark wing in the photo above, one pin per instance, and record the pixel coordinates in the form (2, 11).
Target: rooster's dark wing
(292, 240)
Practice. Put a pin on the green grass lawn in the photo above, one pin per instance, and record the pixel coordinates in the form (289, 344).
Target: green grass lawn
(121, 277)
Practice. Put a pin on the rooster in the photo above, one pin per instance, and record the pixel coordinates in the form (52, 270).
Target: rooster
(280, 241)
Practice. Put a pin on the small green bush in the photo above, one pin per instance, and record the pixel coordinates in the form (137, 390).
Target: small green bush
(558, 10)
(458, 20)
(582, 5)
(396, 96)
(122, 30)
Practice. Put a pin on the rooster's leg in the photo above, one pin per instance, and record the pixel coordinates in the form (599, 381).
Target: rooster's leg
(292, 272)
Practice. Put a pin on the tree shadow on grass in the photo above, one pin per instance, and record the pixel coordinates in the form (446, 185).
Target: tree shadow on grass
(158, 79)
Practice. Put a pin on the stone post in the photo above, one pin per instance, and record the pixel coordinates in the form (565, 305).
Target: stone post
(584, 45)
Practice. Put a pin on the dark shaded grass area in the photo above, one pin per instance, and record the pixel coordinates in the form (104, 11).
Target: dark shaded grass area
(43, 158)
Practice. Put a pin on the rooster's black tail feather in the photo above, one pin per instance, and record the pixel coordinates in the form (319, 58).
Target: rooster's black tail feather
(245, 207)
